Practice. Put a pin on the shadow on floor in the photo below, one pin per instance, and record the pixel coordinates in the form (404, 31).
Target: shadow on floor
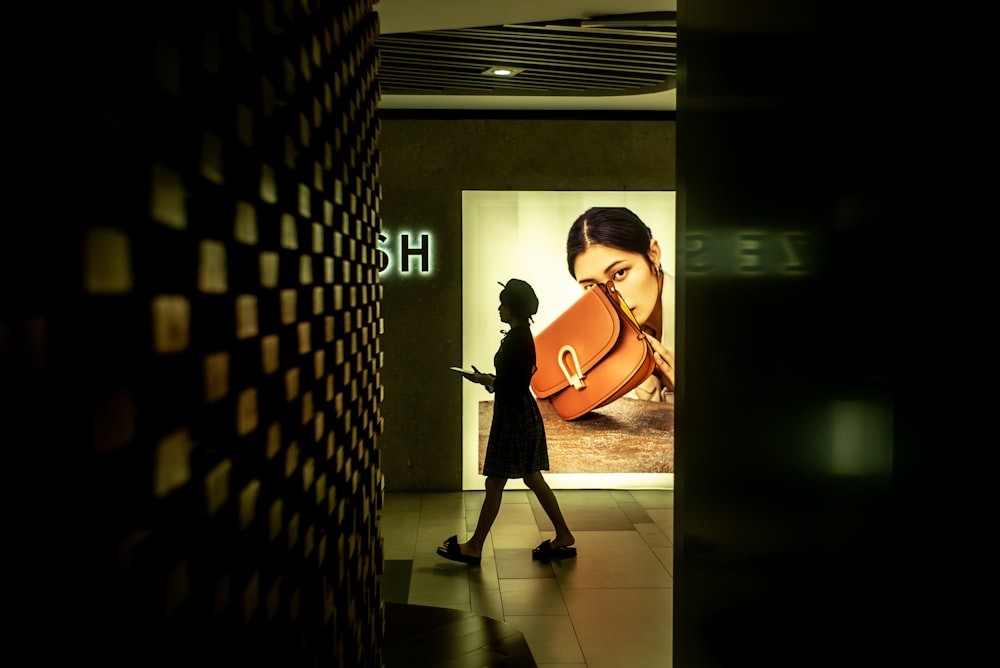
(419, 636)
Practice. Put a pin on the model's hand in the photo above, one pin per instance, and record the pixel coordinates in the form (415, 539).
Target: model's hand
(664, 363)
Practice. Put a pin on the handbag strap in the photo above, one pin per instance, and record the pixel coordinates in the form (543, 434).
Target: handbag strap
(618, 300)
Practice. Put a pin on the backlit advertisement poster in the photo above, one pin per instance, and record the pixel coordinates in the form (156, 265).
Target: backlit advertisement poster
(628, 442)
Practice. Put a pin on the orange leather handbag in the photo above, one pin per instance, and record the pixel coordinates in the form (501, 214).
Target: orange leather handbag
(591, 355)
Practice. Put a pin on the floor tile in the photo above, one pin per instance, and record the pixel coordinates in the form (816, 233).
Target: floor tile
(441, 583)
(514, 513)
(532, 597)
(551, 638)
(611, 559)
(487, 602)
(666, 557)
(654, 498)
(634, 512)
(639, 634)
(399, 534)
(394, 581)
(653, 535)
(593, 512)
(663, 518)
(522, 537)
(622, 495)
(519, 564)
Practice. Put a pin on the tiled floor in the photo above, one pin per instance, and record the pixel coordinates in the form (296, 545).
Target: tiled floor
(611, 606)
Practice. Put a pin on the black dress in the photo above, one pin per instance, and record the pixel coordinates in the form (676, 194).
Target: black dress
(517, 445)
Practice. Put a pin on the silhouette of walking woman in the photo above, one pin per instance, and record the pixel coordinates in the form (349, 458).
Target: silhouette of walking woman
(517, 447)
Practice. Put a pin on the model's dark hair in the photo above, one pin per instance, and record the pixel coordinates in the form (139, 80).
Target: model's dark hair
(612, 226)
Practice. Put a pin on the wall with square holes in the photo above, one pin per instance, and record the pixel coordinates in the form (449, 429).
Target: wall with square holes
(190, 339)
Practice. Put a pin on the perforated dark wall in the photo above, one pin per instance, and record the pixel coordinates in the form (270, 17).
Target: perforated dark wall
(191, 331)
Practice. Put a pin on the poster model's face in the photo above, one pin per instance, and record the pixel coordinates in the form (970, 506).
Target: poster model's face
(633, 274)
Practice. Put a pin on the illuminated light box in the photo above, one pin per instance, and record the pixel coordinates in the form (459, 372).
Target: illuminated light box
(628, 444)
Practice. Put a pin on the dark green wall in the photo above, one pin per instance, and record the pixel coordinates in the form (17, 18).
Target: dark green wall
(799, 474)
(426, 164)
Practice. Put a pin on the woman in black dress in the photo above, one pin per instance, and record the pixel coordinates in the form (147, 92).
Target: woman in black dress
(516, 446)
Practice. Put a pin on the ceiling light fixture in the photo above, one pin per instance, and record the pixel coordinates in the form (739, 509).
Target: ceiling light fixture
(502, 71)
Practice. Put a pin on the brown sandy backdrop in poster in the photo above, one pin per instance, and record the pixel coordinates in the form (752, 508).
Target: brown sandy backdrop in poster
(626, 436)
(522, 234)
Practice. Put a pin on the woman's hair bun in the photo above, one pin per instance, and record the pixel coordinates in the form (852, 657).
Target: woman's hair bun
(519, 297)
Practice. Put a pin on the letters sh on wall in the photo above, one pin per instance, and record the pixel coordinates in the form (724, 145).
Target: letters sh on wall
(408, 254)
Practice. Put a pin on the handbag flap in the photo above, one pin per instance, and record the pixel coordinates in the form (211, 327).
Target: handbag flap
(590, 326)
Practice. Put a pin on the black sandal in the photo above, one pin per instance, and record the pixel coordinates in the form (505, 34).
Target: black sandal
(454, 552)
(545, 551)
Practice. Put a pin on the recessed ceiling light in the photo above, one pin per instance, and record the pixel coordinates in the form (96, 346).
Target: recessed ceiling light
(502, 71)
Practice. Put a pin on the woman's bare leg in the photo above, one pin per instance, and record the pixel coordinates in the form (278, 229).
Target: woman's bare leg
(487, 515)
(536, 483)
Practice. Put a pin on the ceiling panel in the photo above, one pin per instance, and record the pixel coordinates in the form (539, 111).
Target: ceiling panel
(606, 57)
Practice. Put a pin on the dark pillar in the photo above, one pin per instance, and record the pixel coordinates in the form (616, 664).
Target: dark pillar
(798, 464)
